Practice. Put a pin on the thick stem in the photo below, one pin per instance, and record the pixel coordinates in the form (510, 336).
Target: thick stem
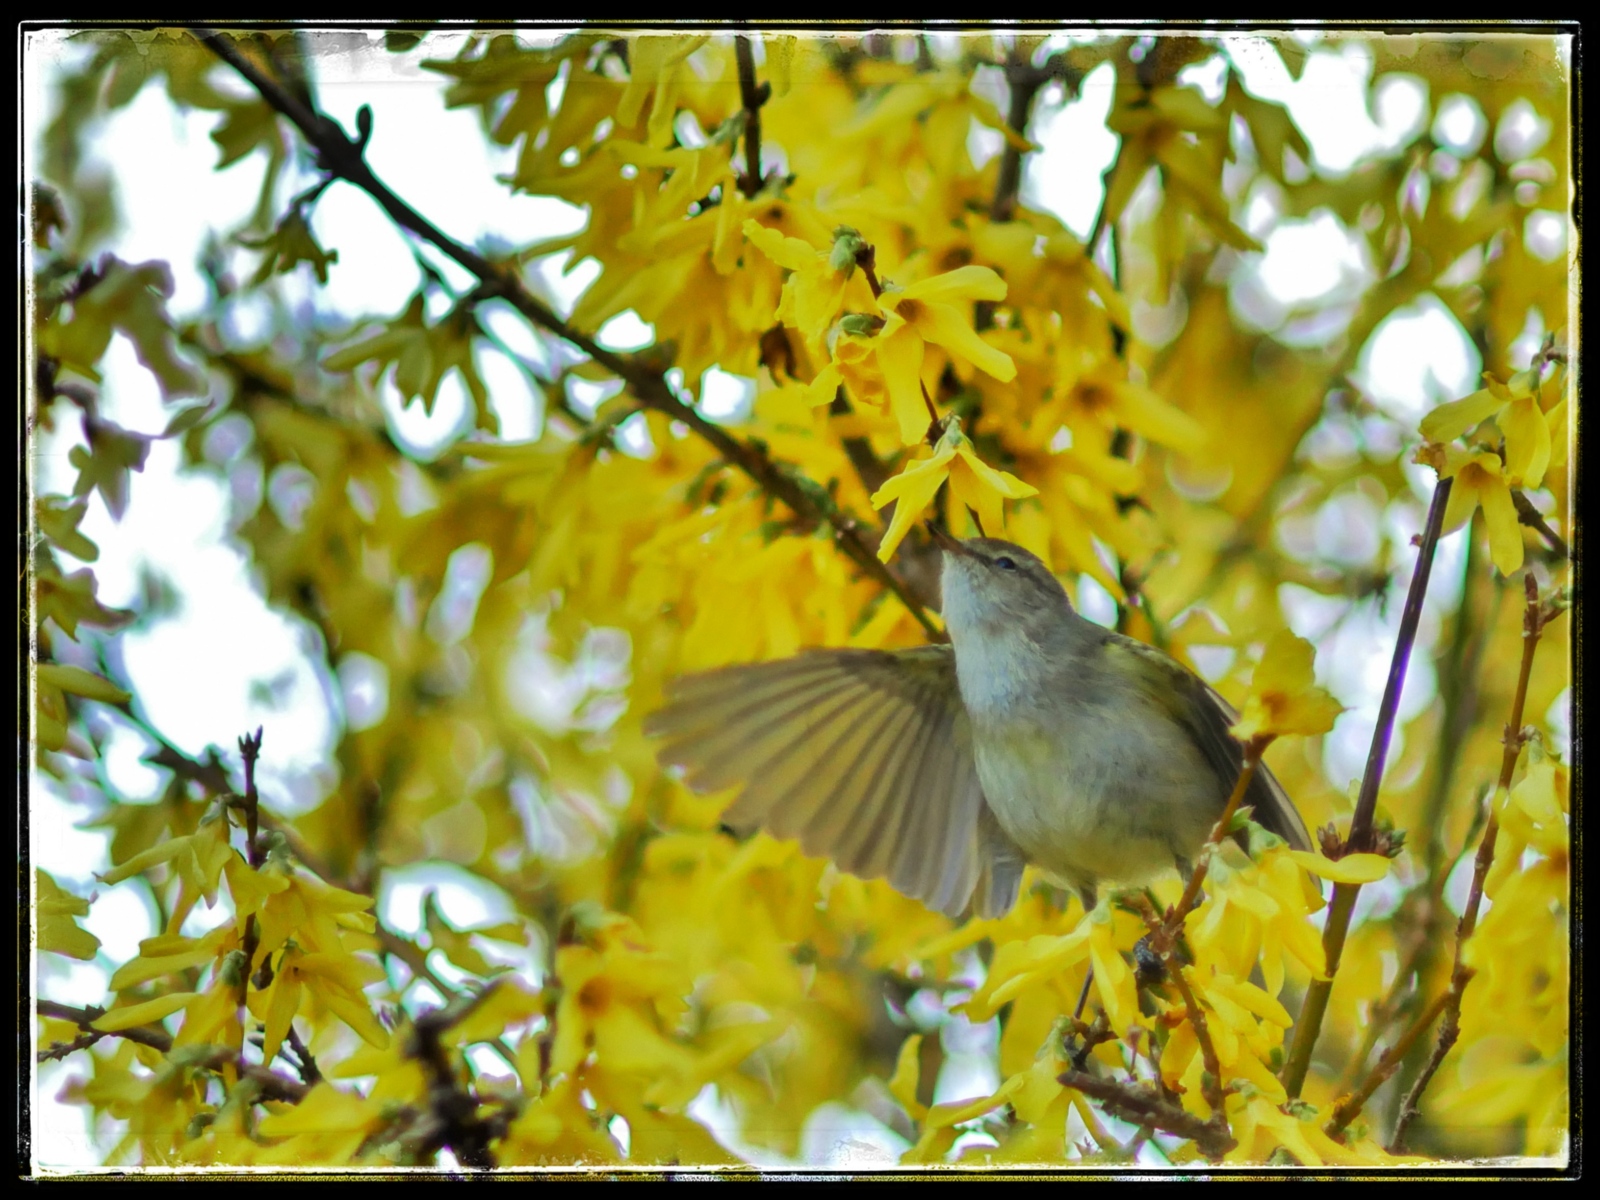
(1144, 1107)
(1315, 1006)
(753, 97)
(1024, 80)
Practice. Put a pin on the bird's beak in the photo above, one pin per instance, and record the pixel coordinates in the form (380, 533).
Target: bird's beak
(945, 542)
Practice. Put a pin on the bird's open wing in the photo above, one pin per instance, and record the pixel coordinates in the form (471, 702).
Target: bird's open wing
(865, 756)
(1207, 717)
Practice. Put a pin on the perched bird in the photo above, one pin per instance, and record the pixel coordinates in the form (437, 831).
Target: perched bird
(1036, 736)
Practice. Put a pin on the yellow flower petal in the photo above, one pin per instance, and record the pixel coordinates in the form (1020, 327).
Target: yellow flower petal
(1003, 482)
(1450, 421)
(946, 326)
(143, 1014)
(903, 1084)
(1352, 868)
(900, 360)
(1527, 441)
(912, 490)
(789, 252)
(964, 283)
(1500, 518)
(1282, 698)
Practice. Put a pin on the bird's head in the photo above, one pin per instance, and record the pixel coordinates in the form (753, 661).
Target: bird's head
(991, 587)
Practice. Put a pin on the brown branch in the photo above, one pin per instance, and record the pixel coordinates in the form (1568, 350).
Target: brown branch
(1143, 1106)
(1419, 920)
(452, 1118)
(1530, 516)
(1535, 617)
(250, 751)
(341, 156)
(1163, 940)
(309, 1071)
(867, 260)
(1309, 1024)
(1024, 81)
(753, 96)
(1350, 1105)
(273, 1086)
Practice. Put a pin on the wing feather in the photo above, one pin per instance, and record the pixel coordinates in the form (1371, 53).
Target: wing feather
(1207, 717)
(1274, 811)
(779, 787)
(857, 807)
(863, 755)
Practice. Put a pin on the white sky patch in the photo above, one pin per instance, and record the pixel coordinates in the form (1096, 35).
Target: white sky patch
(1329, 101)
(169, 193)
(724, 396)
(1460, 125)
(511, 395)
(1095, 603)
(836, 1135)
(463, 898)
(626, 331)
(1522, 132)
(1418, 356)
(1307, 260)
(1076, 148)
(423, 431)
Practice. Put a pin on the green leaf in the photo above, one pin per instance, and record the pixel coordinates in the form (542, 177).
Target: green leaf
(56, 909)
(83, 683)
(130, 300)
(105, 462)
(289, 245)
(186, 419)
(58, 519)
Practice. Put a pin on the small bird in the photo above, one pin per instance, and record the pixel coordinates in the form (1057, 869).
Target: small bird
(1036, 736)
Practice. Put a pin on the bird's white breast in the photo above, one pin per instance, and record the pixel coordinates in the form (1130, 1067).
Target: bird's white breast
(1088, 783)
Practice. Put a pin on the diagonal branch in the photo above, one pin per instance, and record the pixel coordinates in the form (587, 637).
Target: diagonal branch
(1530, 516)
(341, 156)
(1309, 1023)
(273, 1086)
(1143, 1106)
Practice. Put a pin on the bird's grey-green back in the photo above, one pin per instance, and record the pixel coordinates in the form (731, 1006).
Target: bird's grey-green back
(1036, 736)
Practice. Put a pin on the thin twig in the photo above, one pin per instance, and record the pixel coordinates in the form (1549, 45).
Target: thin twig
(1163, 942)
(1173, 923)
(1534, 520)
(1420, 916)
(341, 156)
(1535, 617)
(250, 751)
(273, 1086)
(309, 1071)
(1142, 1106)
(1309, 1024)
(1350, 1105)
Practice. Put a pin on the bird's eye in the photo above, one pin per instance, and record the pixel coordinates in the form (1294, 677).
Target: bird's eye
(1005, 563)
